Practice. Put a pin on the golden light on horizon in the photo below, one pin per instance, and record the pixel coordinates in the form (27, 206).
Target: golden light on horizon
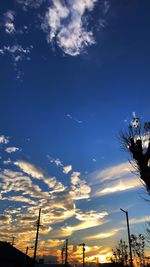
(102, 258)
(99, 258)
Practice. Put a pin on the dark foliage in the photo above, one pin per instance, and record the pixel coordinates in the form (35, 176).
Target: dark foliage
(120, 253)
(138, 247)
(136, 140)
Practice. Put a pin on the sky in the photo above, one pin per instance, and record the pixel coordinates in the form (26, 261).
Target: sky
(72, 73)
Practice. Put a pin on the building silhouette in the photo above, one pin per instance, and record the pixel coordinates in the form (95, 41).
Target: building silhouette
(12, 257)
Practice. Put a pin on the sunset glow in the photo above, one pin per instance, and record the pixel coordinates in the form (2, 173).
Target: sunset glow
(74, 74)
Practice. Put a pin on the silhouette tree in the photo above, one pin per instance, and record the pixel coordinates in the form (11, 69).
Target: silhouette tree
(136, 140)
(120, 252)
(138, 247)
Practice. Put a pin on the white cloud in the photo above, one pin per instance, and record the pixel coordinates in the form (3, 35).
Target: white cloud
(7, 161)
(103, 235)
(17, 54)
(119, 186)
(2, 52)
(5, 218)
(30, 169)
(114, 179)
(30, 3)
(67, 169)
(4, 139)
(9, 27)
(139, 220)
(75, 178)
(79, 189)
(22, 199)
(17, 51)
(11, 149)
(66, 23)
(9, 22)
(111, 173)
(37, 173)
(86, 224)
(57, 161)
(90, 215)
(81, 226)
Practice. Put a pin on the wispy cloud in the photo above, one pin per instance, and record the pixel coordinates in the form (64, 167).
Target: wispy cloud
(4, 139)
(90, 215)
(106, 6)
(117, 178)
(74, 119)
(26, 4)
(79, 189)
(5, 218)
(18, 52)
(57, 161)
(8, 161)
(66, 23)
(111, 173)
(102, 235)
(12, 149)
(139, 220)
(83, 225)
(21, 199)
(9, 22)
(119, 186)
(37, 173)
(67, 169)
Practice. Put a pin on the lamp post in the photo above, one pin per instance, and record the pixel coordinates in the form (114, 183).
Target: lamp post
(129, 239)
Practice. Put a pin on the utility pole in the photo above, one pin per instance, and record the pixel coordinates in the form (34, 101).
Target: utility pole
(66, 253)
(83, 250)
(129, 239)
(62, 254)
(37, 234)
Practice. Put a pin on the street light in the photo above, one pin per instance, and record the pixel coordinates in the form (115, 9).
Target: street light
(128, 229)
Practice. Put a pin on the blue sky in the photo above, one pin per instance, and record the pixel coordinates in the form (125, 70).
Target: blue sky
(72, 72)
